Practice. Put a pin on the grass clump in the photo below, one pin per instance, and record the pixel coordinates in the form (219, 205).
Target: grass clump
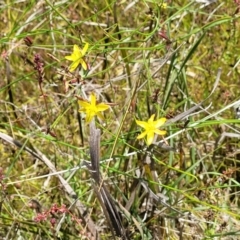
(75, 162)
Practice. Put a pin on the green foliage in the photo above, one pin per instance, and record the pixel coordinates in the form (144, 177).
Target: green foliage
(143, 59)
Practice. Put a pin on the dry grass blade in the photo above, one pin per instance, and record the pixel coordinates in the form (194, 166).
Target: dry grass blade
(107, 203)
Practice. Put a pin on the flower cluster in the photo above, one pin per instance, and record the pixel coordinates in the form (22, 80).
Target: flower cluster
(48, 214)
(92, 108)
(163, 5)
(53, 214)
(39, 68)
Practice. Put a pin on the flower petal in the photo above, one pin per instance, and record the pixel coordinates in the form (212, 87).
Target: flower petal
(160, 132)
(89, 116)
(102, 107)
(151, 119)
(142, 135)
(85, 49)
(100, 115)
(160, 122)
(77, 51)
(84, 65)
(142, 124)
(73, 66)
(93, 99)
(70, 58)
(150, 137)
(84, 104)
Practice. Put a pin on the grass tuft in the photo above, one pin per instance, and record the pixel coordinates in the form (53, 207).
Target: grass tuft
(75, 168)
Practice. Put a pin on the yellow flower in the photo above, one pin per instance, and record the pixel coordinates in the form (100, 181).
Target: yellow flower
(151, 127)
(163, 5)
(91, 108)
(77, 57)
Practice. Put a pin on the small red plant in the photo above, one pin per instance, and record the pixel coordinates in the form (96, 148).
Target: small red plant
(54, 213)
(40, 70)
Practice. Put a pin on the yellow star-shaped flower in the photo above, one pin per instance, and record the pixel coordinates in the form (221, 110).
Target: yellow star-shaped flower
(151, 127)
(91, 108)
(77, 57)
